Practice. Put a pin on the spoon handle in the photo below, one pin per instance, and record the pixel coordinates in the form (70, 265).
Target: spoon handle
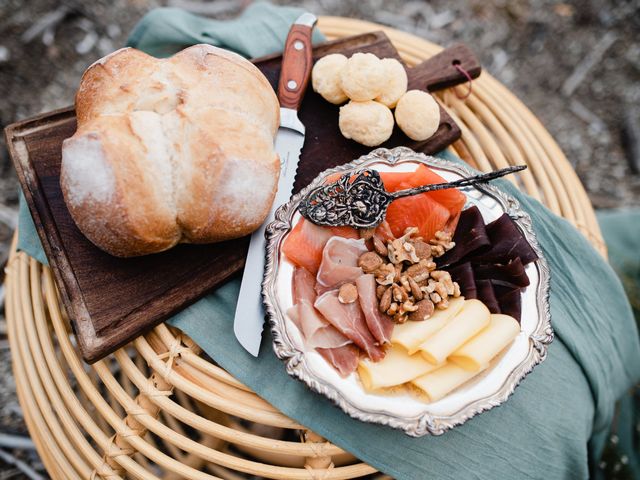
(463, 182)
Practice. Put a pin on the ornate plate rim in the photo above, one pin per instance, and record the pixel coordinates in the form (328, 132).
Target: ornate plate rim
(426, 423)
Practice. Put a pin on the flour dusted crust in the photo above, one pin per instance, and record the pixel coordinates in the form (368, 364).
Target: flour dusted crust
(169, 151)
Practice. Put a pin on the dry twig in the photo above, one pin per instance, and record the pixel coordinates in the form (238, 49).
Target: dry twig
(9, 216)
(16, 442)
(583, 113)
(29, 472)
(588, 62)
(631, 139)
(48, 21)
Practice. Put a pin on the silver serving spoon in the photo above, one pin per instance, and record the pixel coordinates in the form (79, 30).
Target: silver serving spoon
(362, 202)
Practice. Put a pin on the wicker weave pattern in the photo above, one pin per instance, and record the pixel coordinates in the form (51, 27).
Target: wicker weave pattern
(159, 409)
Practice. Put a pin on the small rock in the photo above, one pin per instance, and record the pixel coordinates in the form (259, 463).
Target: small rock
(113, 30)
(564, 10)
(87, 43)
(105, 46)
(442, 19)
(85, 24)
(500, 58)
(5, 54)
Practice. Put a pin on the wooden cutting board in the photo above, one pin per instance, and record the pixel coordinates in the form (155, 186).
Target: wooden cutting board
(112, 300)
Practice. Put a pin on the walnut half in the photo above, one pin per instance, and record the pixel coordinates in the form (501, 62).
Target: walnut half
(441, 244)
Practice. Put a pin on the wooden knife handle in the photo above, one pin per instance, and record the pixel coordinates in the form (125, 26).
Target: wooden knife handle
(440, 71)
(296, 62)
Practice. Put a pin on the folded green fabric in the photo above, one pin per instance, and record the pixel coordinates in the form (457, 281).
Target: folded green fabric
(260, 30)
(556, 422)
(621, 232)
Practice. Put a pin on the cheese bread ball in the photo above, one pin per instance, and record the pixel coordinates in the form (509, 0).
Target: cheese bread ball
(418, 115)
(396, 82)
(363, 77)
(369, 123)
(325, 78)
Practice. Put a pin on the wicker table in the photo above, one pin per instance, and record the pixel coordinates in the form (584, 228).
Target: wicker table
(160, 409)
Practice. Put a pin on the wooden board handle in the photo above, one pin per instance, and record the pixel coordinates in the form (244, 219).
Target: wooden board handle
(440, 71)
(296, 63)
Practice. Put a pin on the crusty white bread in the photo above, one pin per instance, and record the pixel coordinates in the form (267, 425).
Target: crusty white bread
(172, 150)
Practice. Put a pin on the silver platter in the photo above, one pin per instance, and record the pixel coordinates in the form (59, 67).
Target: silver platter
(403, 410)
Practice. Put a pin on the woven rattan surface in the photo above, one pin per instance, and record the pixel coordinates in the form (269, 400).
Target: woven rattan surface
(159, 409)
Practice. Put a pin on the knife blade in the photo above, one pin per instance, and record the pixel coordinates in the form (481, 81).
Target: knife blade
(294, 78)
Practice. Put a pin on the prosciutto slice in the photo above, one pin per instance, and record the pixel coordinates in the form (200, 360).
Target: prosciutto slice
(303, 284)
(318, 333)
(349, 320)
(344, 359)
(380, 325)
(339, 263)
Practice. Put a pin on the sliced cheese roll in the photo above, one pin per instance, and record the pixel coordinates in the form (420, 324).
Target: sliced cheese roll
(412, 334)
(479, 351)
(438, 383)
(473, 317)
(396, 368)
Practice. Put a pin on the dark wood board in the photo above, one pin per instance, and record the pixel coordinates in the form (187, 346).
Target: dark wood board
(112, 300)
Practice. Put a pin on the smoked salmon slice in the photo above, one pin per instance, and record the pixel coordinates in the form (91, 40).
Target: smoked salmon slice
(304, 244)
(451, 198)
(430, 211)
(418, 211)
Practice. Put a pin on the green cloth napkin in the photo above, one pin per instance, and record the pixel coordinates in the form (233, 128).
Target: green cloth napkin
(621, 232)
(260, 30)
(556, 423)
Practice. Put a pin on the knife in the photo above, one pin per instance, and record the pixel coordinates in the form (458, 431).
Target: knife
(294, 78)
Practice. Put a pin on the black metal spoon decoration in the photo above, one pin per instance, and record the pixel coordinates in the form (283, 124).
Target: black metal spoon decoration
(362, 202)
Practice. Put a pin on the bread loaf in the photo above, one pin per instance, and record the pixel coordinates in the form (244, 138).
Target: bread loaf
(171, 150)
